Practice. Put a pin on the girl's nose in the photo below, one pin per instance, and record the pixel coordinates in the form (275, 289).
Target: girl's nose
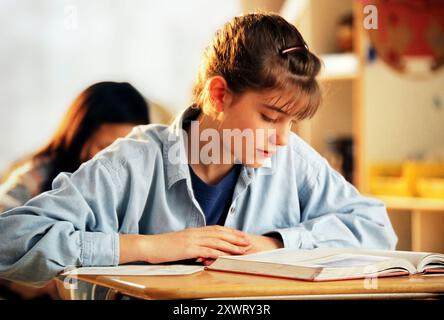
(279, 138)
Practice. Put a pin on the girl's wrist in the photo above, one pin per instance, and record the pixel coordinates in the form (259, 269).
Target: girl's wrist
(134, 247)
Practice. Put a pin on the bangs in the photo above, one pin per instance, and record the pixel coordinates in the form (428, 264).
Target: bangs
(303, 94)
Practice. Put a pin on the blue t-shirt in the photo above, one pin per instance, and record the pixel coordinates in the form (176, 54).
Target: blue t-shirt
(215, 200)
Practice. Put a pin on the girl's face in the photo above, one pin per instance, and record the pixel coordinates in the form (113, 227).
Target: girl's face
(103, 137)
(260, 113)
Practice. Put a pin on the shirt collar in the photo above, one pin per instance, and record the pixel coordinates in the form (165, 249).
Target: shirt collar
(174, 153)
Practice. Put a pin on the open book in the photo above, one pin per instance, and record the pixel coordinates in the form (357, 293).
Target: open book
(324, 264)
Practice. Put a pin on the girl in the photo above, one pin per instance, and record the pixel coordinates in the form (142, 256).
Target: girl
(99, 115)
(147, 197)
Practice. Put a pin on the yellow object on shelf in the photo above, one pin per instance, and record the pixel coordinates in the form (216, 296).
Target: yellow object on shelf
(430, 188)
(417, 179)
(389, 186)
(388, 179)
(426, 179)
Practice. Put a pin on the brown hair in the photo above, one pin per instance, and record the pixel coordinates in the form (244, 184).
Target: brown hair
(250, 53)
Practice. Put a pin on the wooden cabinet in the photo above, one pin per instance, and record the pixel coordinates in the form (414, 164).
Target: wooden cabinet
(338, 118)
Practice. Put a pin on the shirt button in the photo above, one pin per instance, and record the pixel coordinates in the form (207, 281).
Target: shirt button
(232, 210)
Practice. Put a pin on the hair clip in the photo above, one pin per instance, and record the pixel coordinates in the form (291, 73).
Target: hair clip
(295, 48)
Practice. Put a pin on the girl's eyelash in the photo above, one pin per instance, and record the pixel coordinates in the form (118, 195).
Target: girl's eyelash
(264, 117)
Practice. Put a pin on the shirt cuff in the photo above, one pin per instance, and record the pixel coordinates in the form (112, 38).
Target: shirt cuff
(296, 237)
(99, 249)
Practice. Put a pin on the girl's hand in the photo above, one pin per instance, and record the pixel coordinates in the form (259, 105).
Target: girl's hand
(262, 243)
(258, 243)
(206, 242)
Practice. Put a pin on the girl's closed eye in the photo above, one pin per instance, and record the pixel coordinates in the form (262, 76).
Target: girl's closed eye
(268, 119)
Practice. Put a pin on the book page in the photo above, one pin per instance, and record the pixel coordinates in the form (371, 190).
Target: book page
(137, 270)
(349, 260)
(282, 256)
(413, 257)
(291, 256)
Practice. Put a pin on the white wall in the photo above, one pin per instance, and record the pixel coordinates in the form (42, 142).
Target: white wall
(402, 118)
(51, 50)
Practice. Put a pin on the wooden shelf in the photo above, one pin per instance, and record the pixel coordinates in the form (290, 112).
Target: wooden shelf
(412, 203)
(418, 222)
(340, 76)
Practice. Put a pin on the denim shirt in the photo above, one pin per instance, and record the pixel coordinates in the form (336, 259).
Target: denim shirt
(133, 187)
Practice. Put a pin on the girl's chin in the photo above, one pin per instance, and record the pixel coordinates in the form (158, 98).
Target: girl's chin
(255, 164)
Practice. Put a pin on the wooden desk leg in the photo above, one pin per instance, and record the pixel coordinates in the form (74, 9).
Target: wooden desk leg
(427, 231)
(416, 230)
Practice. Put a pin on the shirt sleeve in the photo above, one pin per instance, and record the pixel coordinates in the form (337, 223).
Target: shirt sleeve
(74, 224)
(335, 214)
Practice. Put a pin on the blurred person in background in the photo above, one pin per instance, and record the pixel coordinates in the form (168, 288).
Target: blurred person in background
(102, 113)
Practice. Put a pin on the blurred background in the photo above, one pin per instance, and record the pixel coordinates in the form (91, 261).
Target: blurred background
(381, 123)
(52, 50)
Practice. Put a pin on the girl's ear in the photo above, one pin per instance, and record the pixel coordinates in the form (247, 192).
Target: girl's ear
(219, 94)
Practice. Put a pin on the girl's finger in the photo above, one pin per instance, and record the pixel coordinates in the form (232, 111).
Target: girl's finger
(222, 245)
(208, 262)
(228, 236)
(209, 253)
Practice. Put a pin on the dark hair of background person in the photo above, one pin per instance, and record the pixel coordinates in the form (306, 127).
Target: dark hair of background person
(101, 103)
